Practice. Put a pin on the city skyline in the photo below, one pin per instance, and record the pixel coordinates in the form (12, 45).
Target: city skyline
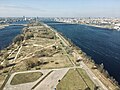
(60, 8)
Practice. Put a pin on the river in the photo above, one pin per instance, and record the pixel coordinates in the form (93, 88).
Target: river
(7, 34)
(103, 45)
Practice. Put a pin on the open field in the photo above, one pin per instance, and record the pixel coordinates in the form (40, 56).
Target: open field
(75, 79)
(25, 78)
(44, 50)
(40, 49)
(86, 78)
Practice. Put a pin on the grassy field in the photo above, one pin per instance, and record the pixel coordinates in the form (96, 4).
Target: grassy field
(53, 54)
(25, 78)
(86, 78)
(74, 81)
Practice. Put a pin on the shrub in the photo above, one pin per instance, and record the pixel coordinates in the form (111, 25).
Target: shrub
(29, 35)
(56, 63)
(42, 53)
(25, 30)
(18, 38)
(37, 68)
(5, 55)
(5, 71)
(51, 61)
(32, 63)
(5, 63)
(101, 68)
(1, 67)
(106, 74)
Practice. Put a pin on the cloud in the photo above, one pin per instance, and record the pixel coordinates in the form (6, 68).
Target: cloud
(13, 10)
(21, 7)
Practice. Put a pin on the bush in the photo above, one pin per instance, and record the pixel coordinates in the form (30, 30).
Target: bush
(37, 68)
(5, 55)
(25, 30)
(106, 74)
(32, 63)
(51, 61)
(56, 63)
(5, 71)
(101, 67)
(5, 63)
(87, 88)
(117, 88)
(45, 63)
(1, 67)
(29, 35)
(18, 38)
(42, 53)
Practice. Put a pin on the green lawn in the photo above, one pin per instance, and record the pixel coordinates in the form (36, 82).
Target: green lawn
(25, 78)
(86, 78)
(73, 80)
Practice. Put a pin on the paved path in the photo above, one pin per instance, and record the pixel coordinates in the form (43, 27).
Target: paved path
(25, 86)
(51, 81)
(43, 83)
(93, 77)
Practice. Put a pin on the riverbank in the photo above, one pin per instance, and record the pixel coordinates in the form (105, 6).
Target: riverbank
(9, 50)
(3, 26)
(38, 48)
(98, 26)
(104, 27)
(110, 84)
(8, 33)
(41, 47)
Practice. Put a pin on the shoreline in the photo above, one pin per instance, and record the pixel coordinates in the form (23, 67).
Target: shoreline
(103, 27)
(58, 33)
(8, 25)
(3, 26)
(86, 62)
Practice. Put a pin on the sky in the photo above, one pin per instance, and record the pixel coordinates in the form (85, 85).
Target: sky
(60, 8)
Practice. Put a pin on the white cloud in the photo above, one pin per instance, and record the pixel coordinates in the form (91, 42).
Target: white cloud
(13, 10)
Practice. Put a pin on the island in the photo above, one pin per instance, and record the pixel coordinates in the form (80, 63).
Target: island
(42, 59)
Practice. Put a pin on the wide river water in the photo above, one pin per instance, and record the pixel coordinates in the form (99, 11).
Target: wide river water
(8, 33)
(103, 45)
